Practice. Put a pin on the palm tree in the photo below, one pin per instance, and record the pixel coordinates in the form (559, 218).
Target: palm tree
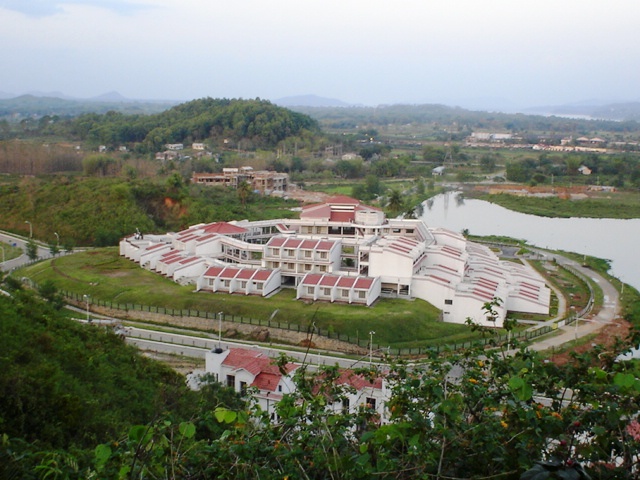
(244, 190)
(395, 202)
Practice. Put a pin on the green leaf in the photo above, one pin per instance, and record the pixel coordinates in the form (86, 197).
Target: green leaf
(224, 415)
(625, 380)
(537, 472)
(521, 389)
(102, 453)
(137, 433)
(364, 447)
(187, 429)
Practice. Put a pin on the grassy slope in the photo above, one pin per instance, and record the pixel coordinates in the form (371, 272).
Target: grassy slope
(105, 275)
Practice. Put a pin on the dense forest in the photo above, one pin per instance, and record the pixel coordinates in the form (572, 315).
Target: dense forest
(256, 123)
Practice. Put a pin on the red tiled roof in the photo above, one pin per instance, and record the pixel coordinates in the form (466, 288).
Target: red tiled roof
(358, 381)
(363, 283)
(262, 275)
(213, 271)
(229, 272)
(154, 247)
(347, 282)
(308, 244)
(292, 243)
(329, 280)
(325, 245)
(276, 241)
(190, 260)
(246, 273)
(342, 200)
(224, 228)
(311, 279)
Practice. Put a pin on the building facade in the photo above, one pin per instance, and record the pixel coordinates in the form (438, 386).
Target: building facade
(344, 251)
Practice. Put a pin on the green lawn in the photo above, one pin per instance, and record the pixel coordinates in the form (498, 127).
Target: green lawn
(10, 252)
(104, 275)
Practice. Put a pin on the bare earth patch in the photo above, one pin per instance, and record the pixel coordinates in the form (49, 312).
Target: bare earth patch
(619, 329)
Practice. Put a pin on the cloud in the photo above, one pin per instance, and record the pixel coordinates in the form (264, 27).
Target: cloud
(45, 8)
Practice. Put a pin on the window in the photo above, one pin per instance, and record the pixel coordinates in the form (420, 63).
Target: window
(362, 294)
(371, 403)
(289, 252)
(345, 405)
(279, 388)
(307, 254)
(244, 284)
(323, 255)
(344, 293)
(307, 267)
(323, 268)
(275, 252)
(227, 283)
(311, 290)
(243, 387)
(212, 282)
(231, 381)
(318, 229)
(326, 291)
(448, 302)
(259, 286)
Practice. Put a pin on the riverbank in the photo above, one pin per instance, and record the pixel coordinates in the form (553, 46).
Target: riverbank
(561, 202)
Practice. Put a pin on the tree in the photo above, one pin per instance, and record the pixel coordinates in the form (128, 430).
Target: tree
(54, 249)
(32, 249)
(487, 163)
(244, 191)
(395, 202)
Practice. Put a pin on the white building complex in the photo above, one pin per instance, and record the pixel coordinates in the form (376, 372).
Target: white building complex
(344, 251)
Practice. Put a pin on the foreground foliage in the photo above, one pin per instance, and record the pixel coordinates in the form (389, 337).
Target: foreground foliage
(474, 414)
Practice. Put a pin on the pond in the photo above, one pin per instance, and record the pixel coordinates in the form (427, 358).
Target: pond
(616, 240)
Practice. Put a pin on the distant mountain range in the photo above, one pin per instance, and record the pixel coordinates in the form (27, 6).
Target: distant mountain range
(57, 103)
(310, 101)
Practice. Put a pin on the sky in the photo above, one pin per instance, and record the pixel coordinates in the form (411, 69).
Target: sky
(376, 52)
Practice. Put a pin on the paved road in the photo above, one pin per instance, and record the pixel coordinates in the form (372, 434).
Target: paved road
(590, 323)
(19, 242)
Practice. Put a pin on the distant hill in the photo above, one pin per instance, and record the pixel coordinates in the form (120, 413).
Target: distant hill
(23, 106)
(310, 101)
(624, 111)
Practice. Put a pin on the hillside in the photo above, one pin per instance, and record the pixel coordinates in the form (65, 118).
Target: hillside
(98, 211)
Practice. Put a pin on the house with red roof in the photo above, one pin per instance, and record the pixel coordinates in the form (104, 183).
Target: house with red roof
(252, 372)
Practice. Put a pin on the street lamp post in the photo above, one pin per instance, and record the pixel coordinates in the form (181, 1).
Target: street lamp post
(86, 298)
(2, 248)
(30, 228)
(371, 334)
(57, 239)
(220, 314)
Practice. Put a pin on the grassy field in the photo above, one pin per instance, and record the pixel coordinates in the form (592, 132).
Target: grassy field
(609, 205)
(10, 252)
(104, 275)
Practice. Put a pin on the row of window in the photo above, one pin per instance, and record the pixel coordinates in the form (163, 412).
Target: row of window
(344, 292)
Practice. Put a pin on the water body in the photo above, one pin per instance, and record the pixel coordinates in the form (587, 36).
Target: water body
(615, 240)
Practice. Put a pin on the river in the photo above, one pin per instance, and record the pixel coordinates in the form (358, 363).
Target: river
(612, 239)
